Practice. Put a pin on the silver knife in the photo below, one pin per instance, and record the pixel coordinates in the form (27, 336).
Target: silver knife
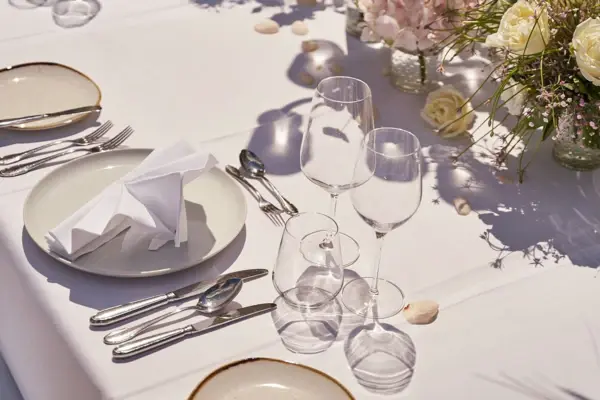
(32, 118)
(111, 315)
(139, 346)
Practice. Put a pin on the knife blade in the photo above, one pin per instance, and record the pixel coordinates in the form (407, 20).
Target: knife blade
(32, 118)
(136, 347)
(118, 313)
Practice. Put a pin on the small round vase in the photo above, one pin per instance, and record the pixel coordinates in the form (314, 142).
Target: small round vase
(413, 72)
(569, 149)
(355, 20)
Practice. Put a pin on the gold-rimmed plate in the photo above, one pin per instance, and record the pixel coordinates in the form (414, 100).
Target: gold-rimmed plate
(267, 378)
(45, 87)
(215, 208)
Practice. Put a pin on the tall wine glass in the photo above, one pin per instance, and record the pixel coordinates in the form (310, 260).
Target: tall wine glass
(390, 165)
(340, 117)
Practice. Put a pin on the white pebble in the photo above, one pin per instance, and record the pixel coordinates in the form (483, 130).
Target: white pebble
(299, 28)
(462, 206)
(421, 312)
(267, 27)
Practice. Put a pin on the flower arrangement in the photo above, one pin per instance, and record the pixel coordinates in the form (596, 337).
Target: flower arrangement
(546, 62)
(413, 25)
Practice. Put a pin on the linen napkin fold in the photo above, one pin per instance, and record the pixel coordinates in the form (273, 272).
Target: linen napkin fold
(148, 201)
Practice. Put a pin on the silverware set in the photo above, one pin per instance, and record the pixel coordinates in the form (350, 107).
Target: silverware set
(95, 138)
(252, 167)
(214, 296)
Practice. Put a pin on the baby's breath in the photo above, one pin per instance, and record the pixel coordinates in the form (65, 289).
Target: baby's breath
(552, 82)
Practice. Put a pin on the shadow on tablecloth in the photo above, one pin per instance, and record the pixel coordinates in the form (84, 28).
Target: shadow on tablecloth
(99, 292)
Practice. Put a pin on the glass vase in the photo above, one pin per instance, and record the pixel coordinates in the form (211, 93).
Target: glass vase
(413, 72)
(569, 149)
(355, 21)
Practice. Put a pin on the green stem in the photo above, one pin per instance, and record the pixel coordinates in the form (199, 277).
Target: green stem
(423, 68)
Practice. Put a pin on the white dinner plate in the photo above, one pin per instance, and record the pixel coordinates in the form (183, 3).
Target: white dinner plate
(43, 87)
(269, 379)
(215, 206)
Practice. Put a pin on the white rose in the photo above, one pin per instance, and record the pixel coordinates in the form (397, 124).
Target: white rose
(446, 109)
(586, 43)
(514, 96)
(523, 29)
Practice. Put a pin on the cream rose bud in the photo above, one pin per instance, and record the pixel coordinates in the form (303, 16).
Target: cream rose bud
(514, 96)
(586, 44)
(446, 109)
(523, 29)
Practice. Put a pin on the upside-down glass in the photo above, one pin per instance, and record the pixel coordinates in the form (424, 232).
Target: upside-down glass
(340, 117)
(390, 163)
(307, 275)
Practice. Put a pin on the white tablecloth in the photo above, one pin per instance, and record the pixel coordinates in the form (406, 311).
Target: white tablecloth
(182, 71)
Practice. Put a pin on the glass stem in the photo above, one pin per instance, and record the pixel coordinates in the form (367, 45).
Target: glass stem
(374, 284)
(334, 201)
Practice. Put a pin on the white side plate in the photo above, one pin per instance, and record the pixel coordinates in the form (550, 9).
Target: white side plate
(264, 378)
(37, 88)
(215, 205)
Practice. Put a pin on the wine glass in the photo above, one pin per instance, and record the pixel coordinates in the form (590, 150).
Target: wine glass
(390, 165)
(340, 117)
(307, 275)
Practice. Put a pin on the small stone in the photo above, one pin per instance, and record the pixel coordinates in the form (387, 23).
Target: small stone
(306, 78)
(386, 71)
(462, 206)
(267, 27)
(307, 3)
(309, 46)
(421, 312)
(299, 28)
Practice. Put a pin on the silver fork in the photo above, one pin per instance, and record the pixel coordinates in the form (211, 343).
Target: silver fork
(84, 141)
(271, 211)
(111, 144)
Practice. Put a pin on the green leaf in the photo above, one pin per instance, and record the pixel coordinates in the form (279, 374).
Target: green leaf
(548, 129)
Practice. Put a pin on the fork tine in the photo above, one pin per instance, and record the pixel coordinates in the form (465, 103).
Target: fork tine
(117, 140)
(268, 215)
(105, 127)
(276, 214)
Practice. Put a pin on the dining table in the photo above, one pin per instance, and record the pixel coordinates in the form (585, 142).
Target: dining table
(515, 277)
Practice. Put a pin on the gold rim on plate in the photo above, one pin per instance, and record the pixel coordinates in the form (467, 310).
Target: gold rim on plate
(255, 359)
(58, 124)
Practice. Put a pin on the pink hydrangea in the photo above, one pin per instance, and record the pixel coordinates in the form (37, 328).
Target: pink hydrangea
(410, 24)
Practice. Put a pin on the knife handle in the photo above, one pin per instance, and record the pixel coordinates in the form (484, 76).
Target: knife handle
(136, 347)
(118, 313)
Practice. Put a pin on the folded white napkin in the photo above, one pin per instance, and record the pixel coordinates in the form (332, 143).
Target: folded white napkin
(148, 200)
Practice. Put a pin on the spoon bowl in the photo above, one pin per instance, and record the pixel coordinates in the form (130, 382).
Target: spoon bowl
(252, 164)
(254, 168)
(213, 300)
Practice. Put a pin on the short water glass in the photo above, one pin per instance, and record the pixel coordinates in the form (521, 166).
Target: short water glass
(306, 274)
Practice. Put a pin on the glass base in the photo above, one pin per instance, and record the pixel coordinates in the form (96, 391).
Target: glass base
(350, 250)
(575, 156)
(358, 298)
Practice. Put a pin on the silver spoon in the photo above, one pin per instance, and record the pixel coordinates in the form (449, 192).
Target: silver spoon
(255, 169)
(215, 299)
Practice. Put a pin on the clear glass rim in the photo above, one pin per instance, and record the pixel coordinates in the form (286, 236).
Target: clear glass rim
(296, 216)
(321, 94)
(415, 151)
